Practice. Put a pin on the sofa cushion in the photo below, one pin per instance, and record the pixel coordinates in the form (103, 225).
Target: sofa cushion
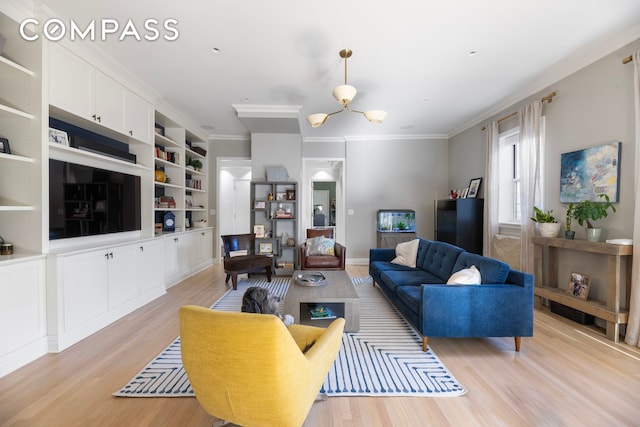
(411, 297)
(406, 253)
(491, 270)
(321, 261)
(414, 277)
(467, 276)
(440, 259)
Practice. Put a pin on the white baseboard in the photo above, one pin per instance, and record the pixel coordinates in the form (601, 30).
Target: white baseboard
(22, 356)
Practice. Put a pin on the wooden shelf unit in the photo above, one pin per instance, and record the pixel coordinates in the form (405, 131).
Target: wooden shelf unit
(548, 286)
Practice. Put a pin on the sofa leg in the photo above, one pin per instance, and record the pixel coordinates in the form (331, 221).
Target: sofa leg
(517, 340)
(424, 343)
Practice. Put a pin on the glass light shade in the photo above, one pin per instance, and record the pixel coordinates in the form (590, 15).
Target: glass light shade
(344, 94)
(375, 116)
(317, 119)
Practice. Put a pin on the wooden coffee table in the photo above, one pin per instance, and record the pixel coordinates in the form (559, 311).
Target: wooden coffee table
(338, 295)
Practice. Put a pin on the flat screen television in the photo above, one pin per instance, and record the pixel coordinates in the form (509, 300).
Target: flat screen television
(87, 201)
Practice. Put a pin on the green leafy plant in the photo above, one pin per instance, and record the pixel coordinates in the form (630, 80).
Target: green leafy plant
(569, 217)
(589, 210)
(401, 226)
(542, 216)
(197, 164)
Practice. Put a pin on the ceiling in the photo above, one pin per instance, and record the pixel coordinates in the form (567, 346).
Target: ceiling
(278, 60)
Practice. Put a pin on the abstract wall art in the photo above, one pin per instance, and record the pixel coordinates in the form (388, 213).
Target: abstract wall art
(584, 174)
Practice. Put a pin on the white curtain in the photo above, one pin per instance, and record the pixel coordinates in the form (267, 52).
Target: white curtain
(531, 140)
(491, 191)
(632, 336)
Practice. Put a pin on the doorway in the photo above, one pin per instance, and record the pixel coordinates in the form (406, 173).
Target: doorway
(323, 201)
(234, 207)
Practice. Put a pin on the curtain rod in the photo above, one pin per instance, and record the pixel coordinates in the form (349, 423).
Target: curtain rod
(627, 59)
(548, 98)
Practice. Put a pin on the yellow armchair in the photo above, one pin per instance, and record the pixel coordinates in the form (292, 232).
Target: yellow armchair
(249, 369)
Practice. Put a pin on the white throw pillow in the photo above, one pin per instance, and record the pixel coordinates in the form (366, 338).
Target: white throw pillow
(406, 253)
(468, 276)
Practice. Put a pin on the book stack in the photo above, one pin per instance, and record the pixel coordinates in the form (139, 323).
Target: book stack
(321, 312)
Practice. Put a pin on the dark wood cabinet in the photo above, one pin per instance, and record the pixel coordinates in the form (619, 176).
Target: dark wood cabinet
(459, 222)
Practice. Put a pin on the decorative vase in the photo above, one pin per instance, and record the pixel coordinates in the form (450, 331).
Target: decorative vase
(569, 235)
(549, 229)
(160, 176)
(593, 234)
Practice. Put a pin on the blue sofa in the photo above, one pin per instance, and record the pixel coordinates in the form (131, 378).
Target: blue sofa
(501, 306)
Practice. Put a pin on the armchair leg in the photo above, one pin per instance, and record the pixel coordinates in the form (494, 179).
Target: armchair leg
(424, 343)
(517, 340)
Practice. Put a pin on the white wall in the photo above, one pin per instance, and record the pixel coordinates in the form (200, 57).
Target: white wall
(593, 106)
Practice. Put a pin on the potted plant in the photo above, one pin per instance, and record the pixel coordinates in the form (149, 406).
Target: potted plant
(568, 233)
(589, 210)
(547, 224)
(197, 164)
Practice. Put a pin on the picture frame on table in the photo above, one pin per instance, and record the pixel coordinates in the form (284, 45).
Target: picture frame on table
(291, 194)
(259, 205)
(266, 248)
(579, 285)
(474, 188)
(281, 196)
(258, 230)
(4, 146)
(58, 136)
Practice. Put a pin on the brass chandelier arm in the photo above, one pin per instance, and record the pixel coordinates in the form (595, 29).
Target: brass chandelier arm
(339, 111)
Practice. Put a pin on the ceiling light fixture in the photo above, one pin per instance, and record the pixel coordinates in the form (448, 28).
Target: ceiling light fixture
(344, 94)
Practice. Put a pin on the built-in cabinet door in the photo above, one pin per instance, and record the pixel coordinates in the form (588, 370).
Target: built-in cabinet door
(137, 116)
(148, 266)
(171, 265)
(85, 287)
(187, 248)
(205, 245)
(122, 275)
(22, 305)
(71, 85)
(109, 102)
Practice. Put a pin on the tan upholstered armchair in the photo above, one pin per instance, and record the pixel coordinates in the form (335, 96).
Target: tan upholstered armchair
(322, 262)
(249, 369)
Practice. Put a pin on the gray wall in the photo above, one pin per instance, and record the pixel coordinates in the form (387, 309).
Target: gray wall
(392, 174)
(593, 106)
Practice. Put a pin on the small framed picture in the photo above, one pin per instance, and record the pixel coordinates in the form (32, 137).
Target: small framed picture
(4, 146)
(579, 285)
(266, 248)
(291, 194)
(259, 204)
(281, 196)
(474, 188)
(258, 230)
(58, 136)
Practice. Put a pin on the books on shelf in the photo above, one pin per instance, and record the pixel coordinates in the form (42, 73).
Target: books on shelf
(321, 312)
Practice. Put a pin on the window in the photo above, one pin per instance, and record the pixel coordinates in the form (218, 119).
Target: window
(510, 215)
(509, 179)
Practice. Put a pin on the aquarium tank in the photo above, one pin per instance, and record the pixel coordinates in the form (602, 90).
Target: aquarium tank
(396, 220)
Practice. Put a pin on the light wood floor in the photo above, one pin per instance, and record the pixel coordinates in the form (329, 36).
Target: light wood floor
(566, 375)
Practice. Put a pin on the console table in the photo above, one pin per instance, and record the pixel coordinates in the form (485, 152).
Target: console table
(546, 279)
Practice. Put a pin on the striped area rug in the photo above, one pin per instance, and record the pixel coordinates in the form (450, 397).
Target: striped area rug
(384, 358)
